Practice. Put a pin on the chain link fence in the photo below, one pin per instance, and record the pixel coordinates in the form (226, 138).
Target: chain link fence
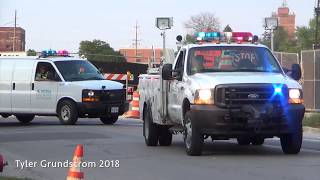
(310, 62)
(287, 59)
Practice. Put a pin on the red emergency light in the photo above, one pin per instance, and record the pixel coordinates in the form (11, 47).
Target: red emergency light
(240, 37)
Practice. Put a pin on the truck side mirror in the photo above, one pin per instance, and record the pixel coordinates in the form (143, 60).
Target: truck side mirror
(167, 72)
(296, 72)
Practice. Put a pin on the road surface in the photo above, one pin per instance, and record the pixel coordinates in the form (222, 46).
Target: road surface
(45, 140)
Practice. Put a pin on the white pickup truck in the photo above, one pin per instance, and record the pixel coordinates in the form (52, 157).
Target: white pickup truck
(223, 91)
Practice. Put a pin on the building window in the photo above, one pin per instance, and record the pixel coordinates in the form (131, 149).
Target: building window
(138, 60)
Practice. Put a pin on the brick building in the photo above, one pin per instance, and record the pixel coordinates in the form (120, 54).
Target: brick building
(144, 55)
(7, 39)
(287, 19)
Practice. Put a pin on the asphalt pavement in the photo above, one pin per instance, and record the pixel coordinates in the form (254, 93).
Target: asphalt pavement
(106, 147)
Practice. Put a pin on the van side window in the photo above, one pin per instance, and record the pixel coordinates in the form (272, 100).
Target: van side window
(46, 72)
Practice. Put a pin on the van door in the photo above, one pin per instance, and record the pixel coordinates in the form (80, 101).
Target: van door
(6, 70)
(21, 86)
(44, 89)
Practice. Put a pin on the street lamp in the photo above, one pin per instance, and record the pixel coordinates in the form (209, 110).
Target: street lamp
(271, 24)
(164, 23)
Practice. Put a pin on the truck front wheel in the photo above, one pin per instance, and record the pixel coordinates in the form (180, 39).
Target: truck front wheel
(109, 119)
(150, 130)
(67, 112)
(193, 139)
(291, 143)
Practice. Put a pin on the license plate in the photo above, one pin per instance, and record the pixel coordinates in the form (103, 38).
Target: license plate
(114, 109)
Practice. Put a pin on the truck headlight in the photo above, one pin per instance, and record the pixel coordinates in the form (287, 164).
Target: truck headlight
(203, 96)
(91, 93)
(295, 96)
(90, 96)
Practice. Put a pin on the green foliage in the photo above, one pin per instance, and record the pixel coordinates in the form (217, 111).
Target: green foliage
(306, 35)
(31, 52)
(282, 42)
(98, 50)
(189, 39)
(312, 121)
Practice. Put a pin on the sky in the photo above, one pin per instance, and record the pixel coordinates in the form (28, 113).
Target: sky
(62, 24)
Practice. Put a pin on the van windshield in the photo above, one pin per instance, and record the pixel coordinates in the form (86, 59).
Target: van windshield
(231, 59)
(78, 70)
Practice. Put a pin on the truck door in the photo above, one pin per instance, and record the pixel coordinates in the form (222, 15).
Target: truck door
(21, 86)
(6, 70)
(44, 89)
(176, 90)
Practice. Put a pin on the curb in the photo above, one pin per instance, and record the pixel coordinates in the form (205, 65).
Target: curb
(311, 130)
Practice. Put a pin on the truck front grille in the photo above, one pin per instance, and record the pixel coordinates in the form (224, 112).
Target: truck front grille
(236, 95)
(113, 96)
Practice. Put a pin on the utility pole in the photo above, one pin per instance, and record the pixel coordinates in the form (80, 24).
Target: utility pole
(136, 40)
(14, 31)
(316, 44)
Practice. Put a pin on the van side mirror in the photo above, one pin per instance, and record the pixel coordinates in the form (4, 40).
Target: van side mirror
(167, 72)
(296, 72)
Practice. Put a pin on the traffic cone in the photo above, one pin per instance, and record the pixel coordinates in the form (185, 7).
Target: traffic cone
(2, 163)
(134, 107)
(75, 170)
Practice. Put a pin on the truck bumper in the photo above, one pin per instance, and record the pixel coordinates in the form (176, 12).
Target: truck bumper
(101, 109)
(212, 120)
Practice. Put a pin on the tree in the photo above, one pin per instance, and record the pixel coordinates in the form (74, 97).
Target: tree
(98, 50)
(282, 42)
(306, 35)
(228, 29)
(203, 21)
(31, 52)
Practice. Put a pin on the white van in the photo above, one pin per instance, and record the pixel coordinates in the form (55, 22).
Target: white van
(65, 87)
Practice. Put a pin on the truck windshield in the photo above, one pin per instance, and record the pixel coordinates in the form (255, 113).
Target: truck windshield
(78, 70)
(231, 59)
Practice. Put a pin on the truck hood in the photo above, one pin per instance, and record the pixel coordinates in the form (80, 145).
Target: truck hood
(210, 80)
(97, 84)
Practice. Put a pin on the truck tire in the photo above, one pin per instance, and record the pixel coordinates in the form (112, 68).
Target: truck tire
(193, 139)
(165, 138)
(150, 130)
(291, 143)
(109, 120)
(257, 141)
(67, 113)
(243, 141)
(25, 118)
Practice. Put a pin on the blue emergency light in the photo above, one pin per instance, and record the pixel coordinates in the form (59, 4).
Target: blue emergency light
(54, 53)
(208, 36)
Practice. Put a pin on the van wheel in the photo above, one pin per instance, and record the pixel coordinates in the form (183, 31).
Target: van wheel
(291, 143)
(193, 139)
(67, 113)
(243, 141)
(25, 118)
(109, 119)
(257, 141)
(150, 130)
(165, 138)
